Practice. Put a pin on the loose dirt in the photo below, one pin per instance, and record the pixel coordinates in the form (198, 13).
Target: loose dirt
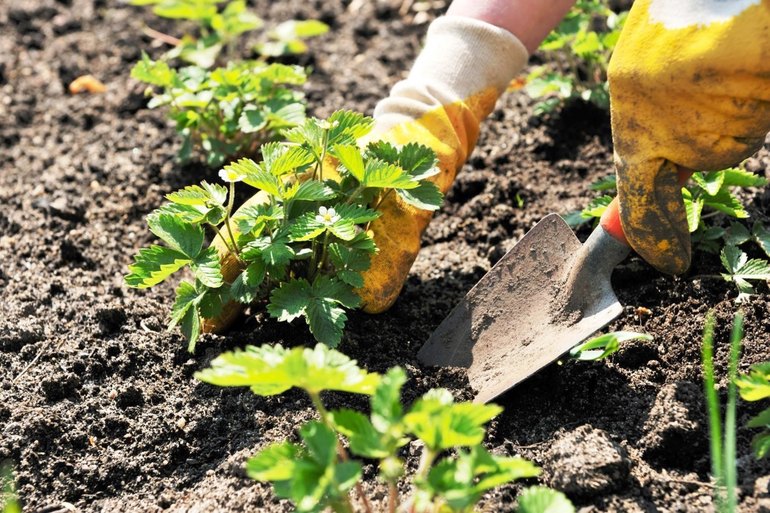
(98, 406)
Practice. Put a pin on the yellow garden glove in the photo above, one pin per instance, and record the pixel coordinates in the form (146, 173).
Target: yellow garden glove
(689, 87)
(463, 68)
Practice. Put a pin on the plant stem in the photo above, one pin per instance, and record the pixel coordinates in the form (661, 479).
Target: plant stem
(160, 36)
(375, 207)
(392, 497)
(230, 203)
(712, 406)
(323, 154)
(425, 463)
(219, 234)
(324, 248)
(343, 455)
(730, 469)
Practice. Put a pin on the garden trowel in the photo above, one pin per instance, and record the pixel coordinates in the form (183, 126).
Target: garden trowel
(546, 295)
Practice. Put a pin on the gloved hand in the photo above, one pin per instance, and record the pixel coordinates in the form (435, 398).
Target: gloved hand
(463, 68)
(689, 87)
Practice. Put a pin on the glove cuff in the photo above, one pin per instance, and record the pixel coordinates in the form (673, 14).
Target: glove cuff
(461, 58)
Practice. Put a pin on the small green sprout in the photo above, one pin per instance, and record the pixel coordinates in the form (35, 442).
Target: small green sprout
(318, 473)
(304, 247)
(755, 386)
(583, 41)
(220, 28)
(599, 348)
(8, 499)
(226, 112)
(722, 442)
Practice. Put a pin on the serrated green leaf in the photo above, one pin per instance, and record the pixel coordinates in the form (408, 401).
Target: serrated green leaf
(320, 441)
(310, 190)
(761, 236)
(418, 160)
(153, 265)
(306, 227)
(426, 196)
(251, 219)
(257, 176)
(190, 326)
(274, 250)
(603, 346)
(693, 207)
(364, 440)
(290, 300)
(363, 241)
(245, 287)
(710, 182)
(153, 72)
(539, 499)
(737, 234)
(347, 127)
(186, 297)
(737, 177)
(726, 202)
(386, 401)
(270, 370)
(596, 207)
(755, 385)
(344, 258)
(760, 445)
(276, 462)
(607, 183)
(760, 420)
(326, 321)
(279, 159)
(207, 269)
(251, 120)
(443, 424)
(343, 229)
(381, 175)
(205, 194)
(350, 157)
(335, 291)
(357, 214)
(179, 235)
(740, 270)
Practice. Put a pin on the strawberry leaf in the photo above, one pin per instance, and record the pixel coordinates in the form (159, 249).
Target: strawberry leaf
(539, 499)
(177, 234)
(207, 269)
(426, 196)
(153, 265)
(246, 285)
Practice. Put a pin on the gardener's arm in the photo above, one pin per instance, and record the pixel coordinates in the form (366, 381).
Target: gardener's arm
(470, 57)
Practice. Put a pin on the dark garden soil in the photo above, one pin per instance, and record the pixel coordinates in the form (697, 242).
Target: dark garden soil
(98, 406)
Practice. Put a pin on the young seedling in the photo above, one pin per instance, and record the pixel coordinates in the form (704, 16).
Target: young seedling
(318, 473)
(713, 193)
(755, 386)
(602, 346)
(723, 442)
(227, 112)
(8, 500)
(303, 242)
(220, 28)
(584, 40)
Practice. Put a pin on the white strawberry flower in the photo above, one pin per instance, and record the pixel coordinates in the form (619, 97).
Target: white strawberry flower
(327, 216)
(231, 175)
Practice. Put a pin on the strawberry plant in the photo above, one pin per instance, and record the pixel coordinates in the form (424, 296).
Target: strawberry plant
(454, 472)
(708, 195)
(582, 44)
(755, 386)
(303, 242)
(220, 27)
(225, 112)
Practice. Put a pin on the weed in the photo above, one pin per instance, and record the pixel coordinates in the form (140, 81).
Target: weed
(8, 499)
(305, 244)
(723, 442)
(318, 473)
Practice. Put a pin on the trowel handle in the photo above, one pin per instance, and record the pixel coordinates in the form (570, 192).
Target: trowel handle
(610, 219)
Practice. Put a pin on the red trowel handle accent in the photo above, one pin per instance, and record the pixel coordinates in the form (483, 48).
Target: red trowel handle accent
(610, 219)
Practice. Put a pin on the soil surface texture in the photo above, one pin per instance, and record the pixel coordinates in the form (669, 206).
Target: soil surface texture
(99, 410)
